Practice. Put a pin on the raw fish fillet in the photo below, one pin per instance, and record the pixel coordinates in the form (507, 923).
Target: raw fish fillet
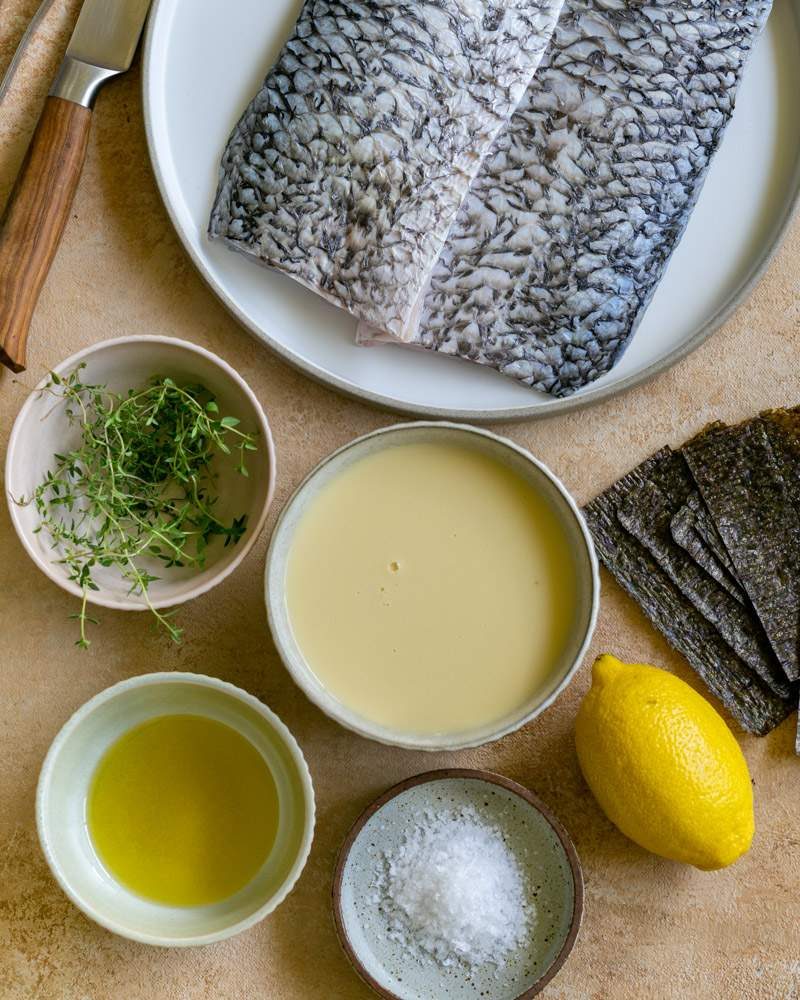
(568, 228)
(348, 167)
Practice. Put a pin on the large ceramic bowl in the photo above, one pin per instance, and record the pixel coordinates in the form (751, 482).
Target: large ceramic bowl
(42, 429)
(65, 781)
(540, 479)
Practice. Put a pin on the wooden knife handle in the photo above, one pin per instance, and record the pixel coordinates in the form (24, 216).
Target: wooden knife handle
(35, 216)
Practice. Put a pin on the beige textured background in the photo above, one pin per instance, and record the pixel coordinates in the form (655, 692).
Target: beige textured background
(652, 929)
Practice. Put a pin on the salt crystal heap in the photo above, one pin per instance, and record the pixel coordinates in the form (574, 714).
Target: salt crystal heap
(454, 890)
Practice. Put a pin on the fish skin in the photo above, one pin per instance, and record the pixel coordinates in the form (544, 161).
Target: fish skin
(568, 228)
(348, 167)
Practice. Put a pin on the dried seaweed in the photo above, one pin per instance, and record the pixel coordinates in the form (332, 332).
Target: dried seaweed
(704, 523)
(686, 533)
(783, 431)
(646, 514)
(757, 708)
(741, 483)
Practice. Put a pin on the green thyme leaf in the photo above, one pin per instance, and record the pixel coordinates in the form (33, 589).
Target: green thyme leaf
(140, 489)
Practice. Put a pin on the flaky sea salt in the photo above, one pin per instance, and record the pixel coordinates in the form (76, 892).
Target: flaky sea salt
(454, 890)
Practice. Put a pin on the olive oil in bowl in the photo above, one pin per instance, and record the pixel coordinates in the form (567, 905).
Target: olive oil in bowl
(183, 810)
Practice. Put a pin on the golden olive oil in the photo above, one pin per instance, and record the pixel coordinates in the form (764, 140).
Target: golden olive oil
(183, 810)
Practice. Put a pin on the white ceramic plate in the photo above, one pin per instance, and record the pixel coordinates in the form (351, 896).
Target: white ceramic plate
(205, 59)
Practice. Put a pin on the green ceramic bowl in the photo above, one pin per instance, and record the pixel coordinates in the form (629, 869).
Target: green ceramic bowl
(64, 786)
(551, 872)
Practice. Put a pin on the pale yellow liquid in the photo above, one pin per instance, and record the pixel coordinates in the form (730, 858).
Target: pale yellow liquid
(183, 810)
(430, 589)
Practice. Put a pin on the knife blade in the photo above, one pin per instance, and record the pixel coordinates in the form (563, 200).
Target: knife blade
(103, 44)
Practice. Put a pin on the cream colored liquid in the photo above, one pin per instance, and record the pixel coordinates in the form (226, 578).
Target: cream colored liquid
(430, 589)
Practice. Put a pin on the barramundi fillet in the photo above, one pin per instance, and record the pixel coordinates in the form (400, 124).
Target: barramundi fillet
(568, 228)
(348, 167)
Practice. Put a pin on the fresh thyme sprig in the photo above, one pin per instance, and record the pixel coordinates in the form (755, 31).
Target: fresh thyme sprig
(139, 486)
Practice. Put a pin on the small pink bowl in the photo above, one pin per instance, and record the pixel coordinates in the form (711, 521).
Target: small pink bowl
(42, 429)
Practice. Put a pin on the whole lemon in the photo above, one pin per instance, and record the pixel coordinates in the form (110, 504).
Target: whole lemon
(663, 765)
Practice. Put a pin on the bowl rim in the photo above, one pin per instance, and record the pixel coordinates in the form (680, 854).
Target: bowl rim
(243, 547)
(476, 774)
(77, 719)
(301, 675)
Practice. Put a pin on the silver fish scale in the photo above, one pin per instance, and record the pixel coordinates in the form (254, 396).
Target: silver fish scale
(568, 228)
(348, 167)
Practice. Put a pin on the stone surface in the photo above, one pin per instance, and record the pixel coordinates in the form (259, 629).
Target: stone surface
(652, 929)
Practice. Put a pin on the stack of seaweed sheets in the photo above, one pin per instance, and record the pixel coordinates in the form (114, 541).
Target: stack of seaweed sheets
(706, 538)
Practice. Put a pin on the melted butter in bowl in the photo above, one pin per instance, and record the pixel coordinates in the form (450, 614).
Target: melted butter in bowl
(431, 585)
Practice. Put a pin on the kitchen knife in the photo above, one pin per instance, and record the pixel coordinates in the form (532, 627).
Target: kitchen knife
(102, 45)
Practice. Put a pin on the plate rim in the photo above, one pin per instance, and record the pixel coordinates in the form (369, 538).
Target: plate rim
(551, 407)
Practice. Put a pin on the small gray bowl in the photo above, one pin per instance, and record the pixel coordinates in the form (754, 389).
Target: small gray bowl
(537, 475)
(551, 870)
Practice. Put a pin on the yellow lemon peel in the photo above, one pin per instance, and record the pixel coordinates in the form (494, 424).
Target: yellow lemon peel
(663, 765)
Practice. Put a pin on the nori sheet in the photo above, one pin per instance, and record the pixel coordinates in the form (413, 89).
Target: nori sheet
(686, 533)
(719, 563)
(757, 708)
(741, 483)
(704, 523)
(783, 431)
(646, 514)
